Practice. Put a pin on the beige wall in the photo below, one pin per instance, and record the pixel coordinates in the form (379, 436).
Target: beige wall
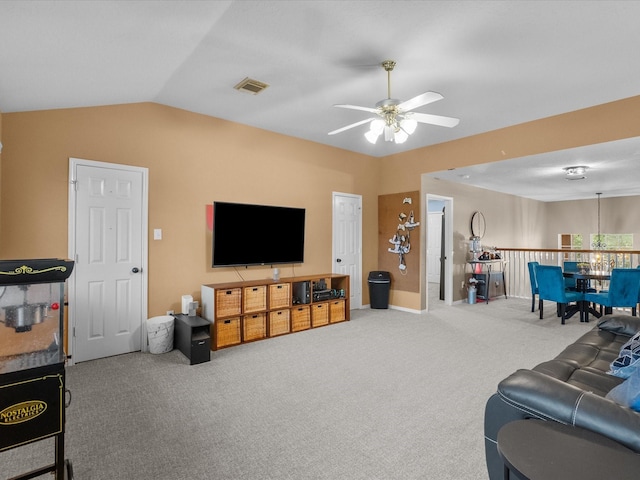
(516, 222)
(617, 215)
(193, 160)
(511, 221)
(602, 123)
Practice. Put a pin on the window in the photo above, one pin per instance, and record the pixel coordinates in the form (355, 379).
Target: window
(615, 241)
(599, 261)
(572, 241)
(612, 241)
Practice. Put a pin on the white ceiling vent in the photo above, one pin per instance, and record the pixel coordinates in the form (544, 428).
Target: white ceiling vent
(251, 86)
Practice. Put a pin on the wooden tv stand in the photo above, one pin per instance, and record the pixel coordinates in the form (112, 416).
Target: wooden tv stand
(243, 312)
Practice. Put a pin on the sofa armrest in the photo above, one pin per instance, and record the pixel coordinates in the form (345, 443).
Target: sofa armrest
(548, 398)
(621, 324)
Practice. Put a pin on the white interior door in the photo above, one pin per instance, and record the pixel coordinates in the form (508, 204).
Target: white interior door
(434, 242)
(347, 243)
(108, 225)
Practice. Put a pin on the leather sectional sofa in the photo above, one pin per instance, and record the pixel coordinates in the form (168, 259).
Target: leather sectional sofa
(569, 389)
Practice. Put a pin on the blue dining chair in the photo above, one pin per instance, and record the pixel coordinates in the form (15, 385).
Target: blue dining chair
(639, 293)
(551, 287)
(570, 283)
(624, 291)
(534, 283)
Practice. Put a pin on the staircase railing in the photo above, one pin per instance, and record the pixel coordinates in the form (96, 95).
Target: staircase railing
(517, 271)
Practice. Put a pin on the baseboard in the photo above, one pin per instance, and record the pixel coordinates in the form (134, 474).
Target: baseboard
(393, 307)
(404, 309)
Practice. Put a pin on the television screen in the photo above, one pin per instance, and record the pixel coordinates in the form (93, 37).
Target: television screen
(245, 234)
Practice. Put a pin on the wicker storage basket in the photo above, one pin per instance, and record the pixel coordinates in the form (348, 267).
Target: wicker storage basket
(279, 295)
(279, 322)
(254, 299)
(227, 332)
(300, 318)
(336, 311)
(228, 302)
(319, 314)
(254, 327)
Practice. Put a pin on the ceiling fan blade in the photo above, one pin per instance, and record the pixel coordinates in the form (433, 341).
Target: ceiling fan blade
(434, 119)
(361, 122)
(356, 107)
(420, 100)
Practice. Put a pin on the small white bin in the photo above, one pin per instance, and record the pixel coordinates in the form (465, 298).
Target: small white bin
(160, 334)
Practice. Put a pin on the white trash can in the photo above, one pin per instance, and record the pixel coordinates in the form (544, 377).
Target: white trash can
(472, 295)
(160, 334)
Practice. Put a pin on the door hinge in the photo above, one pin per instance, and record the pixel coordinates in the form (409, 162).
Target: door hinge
(75, 185)
(74, 332)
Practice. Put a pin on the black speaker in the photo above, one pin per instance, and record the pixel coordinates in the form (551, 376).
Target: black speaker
(301, 292)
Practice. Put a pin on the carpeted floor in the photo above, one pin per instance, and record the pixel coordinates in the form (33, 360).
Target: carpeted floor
(388, 395)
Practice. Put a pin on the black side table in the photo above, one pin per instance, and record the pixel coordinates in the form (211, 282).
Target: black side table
(539, 450)
(192, 336)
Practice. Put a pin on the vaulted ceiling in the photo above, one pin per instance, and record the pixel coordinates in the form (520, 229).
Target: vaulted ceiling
(496, 63)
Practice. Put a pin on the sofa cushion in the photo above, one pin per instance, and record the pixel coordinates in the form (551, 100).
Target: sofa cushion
(587, 378)
(595, 345)
(585, 363)
(629, 358)
(622, 324)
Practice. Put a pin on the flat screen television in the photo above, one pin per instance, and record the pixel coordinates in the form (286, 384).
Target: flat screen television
(245, 234)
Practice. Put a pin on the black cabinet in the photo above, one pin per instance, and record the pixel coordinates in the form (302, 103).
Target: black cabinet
(193, 338)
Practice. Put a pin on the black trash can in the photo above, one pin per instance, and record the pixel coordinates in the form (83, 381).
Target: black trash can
(379, 286)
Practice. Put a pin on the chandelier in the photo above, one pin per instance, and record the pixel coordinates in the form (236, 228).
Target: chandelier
(598, 244)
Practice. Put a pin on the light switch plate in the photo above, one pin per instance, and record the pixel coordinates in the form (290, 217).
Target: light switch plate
(157, 234)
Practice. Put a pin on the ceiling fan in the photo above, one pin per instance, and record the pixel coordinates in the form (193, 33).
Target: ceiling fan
(395, 118)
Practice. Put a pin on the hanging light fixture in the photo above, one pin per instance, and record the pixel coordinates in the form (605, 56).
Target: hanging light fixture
(394, 124)
(598, 244)
(395, 118)
(396, 127)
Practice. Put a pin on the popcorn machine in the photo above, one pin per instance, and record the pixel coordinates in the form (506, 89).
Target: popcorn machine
(32, 357)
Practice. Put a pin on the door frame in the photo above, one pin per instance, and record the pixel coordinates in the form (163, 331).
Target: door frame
(358, 291)
(440, 216)
(448, 249)
(71, 240)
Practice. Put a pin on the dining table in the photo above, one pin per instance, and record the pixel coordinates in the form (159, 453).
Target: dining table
(582, 278)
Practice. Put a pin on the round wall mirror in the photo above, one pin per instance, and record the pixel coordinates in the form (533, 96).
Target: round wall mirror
(478, 225)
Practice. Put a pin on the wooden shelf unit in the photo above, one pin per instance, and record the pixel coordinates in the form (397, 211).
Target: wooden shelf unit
(242, 312)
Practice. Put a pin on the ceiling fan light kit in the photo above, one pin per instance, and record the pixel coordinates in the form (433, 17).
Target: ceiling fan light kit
(394, 118)
(396, 128)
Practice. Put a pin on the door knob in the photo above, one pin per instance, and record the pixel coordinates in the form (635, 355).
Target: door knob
(338, 260)
(135, 269)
